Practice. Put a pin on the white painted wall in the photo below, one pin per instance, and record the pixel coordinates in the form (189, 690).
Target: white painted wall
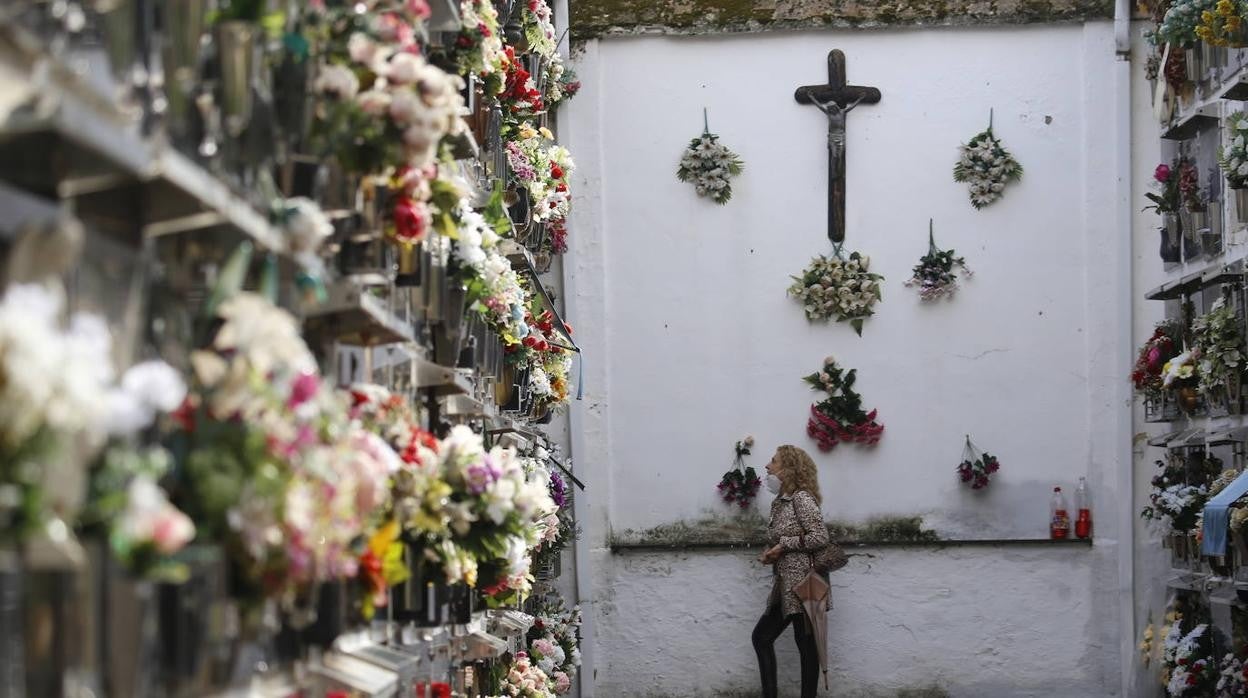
(692, 343)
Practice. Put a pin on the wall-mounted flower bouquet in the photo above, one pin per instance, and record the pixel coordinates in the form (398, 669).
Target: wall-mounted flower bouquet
(1179, 26)
(976, 466)
(1218, 339)
(987, 167)
(1189, 669)
(838, 287)
(1180, 374)
(1174, 504)
(709, 164)
(936, 273)
(1234, 160)
(1223, 25)
(554, 643)
(1147, 376)
(840, 417)
(542, 169)
(740, 485)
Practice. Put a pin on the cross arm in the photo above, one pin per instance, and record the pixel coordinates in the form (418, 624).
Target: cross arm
(843, 96)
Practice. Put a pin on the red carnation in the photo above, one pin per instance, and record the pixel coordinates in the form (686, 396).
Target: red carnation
(556, 171)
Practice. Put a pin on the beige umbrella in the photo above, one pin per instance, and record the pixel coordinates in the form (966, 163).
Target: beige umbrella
(814, 594)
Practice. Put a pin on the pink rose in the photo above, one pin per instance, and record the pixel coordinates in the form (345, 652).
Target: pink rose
(303, 389)
(362, 49)
(405, 68)
(1162, 173)
(374, 102)
(172, 531)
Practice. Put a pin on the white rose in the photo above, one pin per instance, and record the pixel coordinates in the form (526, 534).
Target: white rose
(374, 102)
(404, 68)
(362, 49)
(337, 80)
(405, 107)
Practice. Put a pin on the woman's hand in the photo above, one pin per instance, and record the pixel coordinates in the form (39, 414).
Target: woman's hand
(771, 554)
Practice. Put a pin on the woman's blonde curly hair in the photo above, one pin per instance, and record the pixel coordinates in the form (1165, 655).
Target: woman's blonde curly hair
(797, 472)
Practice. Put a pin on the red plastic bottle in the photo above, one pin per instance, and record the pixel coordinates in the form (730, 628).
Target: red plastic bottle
(1083, 517)
(1059, 517)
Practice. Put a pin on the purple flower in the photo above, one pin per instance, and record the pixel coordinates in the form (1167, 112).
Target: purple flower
(481, 475)
(559, 489)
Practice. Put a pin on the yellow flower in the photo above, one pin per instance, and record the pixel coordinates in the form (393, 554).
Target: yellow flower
(526, 130)
(1206, 17)
(546, 133)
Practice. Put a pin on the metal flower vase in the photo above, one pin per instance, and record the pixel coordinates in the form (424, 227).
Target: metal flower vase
(424, 599)
(1194, 65)
(120, 28)
(1174, 226)
(1241, 204)
(236, 53)
(184, 30)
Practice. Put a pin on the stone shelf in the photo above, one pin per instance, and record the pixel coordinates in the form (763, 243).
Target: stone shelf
(949, 543)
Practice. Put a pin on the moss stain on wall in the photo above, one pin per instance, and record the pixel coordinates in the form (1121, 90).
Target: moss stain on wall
(595, 18)
(751, 529)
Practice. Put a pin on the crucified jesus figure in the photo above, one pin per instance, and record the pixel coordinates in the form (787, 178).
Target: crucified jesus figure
(836, 129)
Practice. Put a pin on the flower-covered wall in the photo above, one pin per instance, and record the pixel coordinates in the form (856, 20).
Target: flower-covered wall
(696, 345)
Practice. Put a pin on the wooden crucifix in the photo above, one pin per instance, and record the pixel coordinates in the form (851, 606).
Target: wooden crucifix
(836, 100)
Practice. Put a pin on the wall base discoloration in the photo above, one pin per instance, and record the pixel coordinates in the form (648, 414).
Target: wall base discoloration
(594, 18)
(750, 529)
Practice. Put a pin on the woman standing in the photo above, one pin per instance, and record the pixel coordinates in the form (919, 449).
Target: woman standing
(795, 532)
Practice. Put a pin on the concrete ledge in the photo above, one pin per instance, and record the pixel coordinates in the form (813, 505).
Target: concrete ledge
(619, 548)
(596, 18)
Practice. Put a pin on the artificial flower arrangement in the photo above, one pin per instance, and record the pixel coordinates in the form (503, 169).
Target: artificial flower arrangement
(542, 168)
(840, 417)
(554, 643)
(479, 48)
(60, 403)
(380, 104)
(558, 529)
(520, 96)
(127, 508)
(270, 463)
(935, 274)
(976, 466)
(1233, 676)
(476, 514)
(1173, 503)
(1147, 376)
(537, 23)
(1189, 667)
(1180, 370)
(1218, 340)
(549, 364)
(1234, 157)
(1179, 26)
(1146, 644)
(740, 485)
(987, 167)
(1189, 188)
(561, 83)
(523, 679)
(1170, 198)
(1223, 25)
(838, 287)
(709, 164)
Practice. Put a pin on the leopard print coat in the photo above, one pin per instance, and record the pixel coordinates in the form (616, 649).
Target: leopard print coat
(797, 527)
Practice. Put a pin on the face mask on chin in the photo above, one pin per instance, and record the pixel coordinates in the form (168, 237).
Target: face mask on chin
(773, 483)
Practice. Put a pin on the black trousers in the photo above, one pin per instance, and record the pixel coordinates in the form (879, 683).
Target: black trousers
(769, 628)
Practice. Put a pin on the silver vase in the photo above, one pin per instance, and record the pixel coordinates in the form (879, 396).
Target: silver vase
(1241, 204)
(236, 48)
(1195, 71)
(1173, 225)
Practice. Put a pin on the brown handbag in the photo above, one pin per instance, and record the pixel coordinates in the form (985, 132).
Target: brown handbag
(829, 558)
